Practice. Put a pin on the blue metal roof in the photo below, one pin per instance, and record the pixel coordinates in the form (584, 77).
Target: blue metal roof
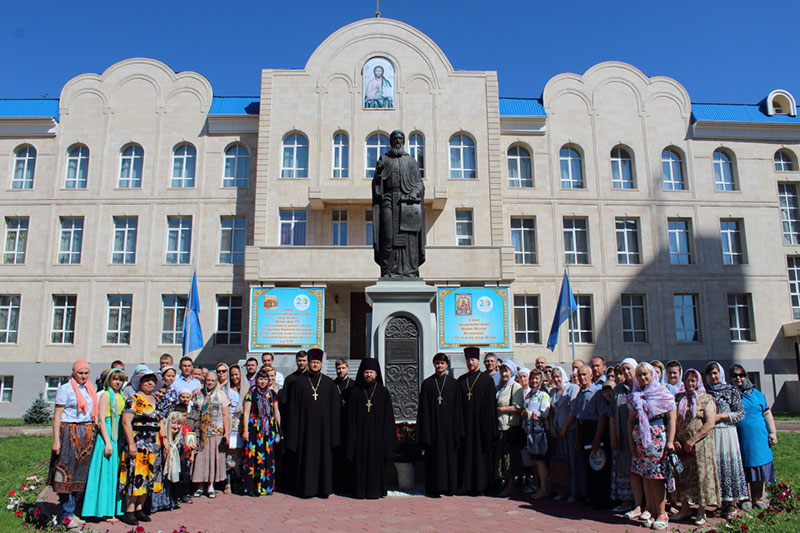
(234, 105)
(739, 113)
(521, 107)
(29, 107)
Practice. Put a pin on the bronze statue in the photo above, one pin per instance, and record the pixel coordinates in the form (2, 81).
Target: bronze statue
(398, 215)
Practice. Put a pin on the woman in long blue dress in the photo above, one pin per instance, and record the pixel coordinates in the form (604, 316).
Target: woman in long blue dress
(102, 497)
(261, 419)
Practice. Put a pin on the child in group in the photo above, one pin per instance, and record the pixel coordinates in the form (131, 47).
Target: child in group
(192, 415)
(176, 453)
(537, 409)
(191, 423)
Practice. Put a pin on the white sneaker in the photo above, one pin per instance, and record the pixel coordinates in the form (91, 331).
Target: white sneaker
(646, 516)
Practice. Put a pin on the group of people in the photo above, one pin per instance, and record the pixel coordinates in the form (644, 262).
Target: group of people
(633, 436)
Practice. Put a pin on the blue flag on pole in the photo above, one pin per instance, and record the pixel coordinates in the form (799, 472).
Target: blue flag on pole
(566, 306)
(192, 332)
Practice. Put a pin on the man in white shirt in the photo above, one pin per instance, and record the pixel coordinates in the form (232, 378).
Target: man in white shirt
(268, 359)
(185, 381)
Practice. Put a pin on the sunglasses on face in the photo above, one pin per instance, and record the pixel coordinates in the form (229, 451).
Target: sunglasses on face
(738, 375)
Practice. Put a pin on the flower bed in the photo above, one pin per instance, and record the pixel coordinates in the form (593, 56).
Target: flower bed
(783, 514)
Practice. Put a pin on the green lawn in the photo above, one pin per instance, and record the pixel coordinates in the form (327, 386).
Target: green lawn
(20, 457)
(787, 457)
(11, 422)
(790, 417)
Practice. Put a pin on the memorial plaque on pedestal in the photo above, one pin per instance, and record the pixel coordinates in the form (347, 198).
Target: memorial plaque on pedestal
(402, 366)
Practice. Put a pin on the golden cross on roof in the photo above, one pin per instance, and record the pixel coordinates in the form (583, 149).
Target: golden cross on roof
(378, 9)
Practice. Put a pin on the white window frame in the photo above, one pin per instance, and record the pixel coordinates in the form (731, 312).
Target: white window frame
(579, 330)
(9, 318)
(294, 224)
(119, 314)
(519, 159)
(790, 212)
(732, 236)
(24, 168)
(179, 240)
(77, 167)
(523, 238)
(6, 389)
(293, 147)
(684, 304)
(51, 385)
(131, 167)
(527, 319)
(622, 161)
(672, 170)
(783, 161)
(173, 309)
(184, 166)
(460, 145)
(793, 265)
(571, 232)
(634, 310)
(628, 247)
(62, 330)
(227, 305)
(16, 240)
(568, 157)
(416, 149)
(369, 228)
(724, 171)
(232, 240)
(375, 146)
(237, 166)
(70, 242)
(740, 317)
(338, 227)
(465, 227)
(680, 241)
(341, 156)
(123, 245)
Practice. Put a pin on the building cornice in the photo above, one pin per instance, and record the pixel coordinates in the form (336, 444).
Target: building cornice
(232, 124)
(748, 131)
(28, 127)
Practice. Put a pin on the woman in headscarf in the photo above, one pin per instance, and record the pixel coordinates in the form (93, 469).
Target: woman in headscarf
(626, 488)
(215, 425)
(102, 498)
(732, 483)
(651, 434)
(168, 374)
(536, 420)
(699, 482)
(141, 462)
(74, 423)
(232, 456)
(659, 367)
(563, 472)
(509, 422)
(260, 427)
(756, 434)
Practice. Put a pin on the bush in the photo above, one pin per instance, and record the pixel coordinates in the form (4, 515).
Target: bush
(782, 515)
(37, 413)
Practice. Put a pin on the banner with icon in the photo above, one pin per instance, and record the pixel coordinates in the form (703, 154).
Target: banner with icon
(473, 316)
(286, 319)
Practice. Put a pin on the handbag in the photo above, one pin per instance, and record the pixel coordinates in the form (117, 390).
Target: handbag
(537, 441)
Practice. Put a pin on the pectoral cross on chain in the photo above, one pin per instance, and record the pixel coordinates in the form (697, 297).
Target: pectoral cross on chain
(439, 399)
(469, 395)
(315, 395)
(369, 405)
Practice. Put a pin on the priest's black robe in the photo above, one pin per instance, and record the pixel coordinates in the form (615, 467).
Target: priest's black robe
(440, 430)
(341, 469)
(475, 456)
(311, 431)
(285, 469)
(371, 439)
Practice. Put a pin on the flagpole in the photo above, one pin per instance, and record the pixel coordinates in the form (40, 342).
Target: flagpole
(570, 331)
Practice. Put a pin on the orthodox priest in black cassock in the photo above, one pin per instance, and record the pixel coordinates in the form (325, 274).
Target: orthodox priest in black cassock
(341, 470)
(285, 463)
(440, 428)
(479, 411)
(311, 428)
(371, 434)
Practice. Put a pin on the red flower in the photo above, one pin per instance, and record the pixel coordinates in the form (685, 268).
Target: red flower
(761, 514)
(67, 520)
(781, 497)
(22, 485)
(18, 512)
(11, 493)
(744, 527)
(139, 529)
(37, 512)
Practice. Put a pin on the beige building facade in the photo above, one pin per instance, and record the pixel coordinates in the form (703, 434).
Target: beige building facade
(680, 221)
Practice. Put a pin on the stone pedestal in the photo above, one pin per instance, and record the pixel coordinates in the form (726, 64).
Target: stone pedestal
(403, 339)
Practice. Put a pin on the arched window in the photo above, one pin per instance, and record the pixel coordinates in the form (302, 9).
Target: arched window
(784, 162)
(77, 167)
(621, 169)
(672, 170)
(24, 168)
(237, 166)
(184, 158)
(724, 174)
(295, 156)
(519, 167)
(416, 149)
(377, 145)
(130, 167)
(341, 155)
(462, 156)
(571, 168)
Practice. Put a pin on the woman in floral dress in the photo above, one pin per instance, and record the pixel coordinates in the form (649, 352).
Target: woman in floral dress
(261, 419)
(215, 425)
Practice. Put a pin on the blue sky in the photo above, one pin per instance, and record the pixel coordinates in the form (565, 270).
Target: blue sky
(732, 51)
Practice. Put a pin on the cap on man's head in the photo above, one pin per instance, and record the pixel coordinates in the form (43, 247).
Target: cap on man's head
(315, 354)
(472, 352)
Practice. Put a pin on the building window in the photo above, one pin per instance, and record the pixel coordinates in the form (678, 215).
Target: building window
(790, 212)
(679, 232)
(293, 227)
(526, 319)
(229, 320)
(464, 233)
(416, 149)
(71, 241)
(237, 166)
(232, 239)
(6, 388)
(130, 167)
(179, 240)
(16, 241)
(784, 162)
(519, 167)
(173, 308)
(634, 318)
(571, 168)
(687, 321)
(377, 145)
(77, 167)
(462, 156)
(24, 168)
(740, 317)
(576, 241)
(339, 227)
(580, 322)
(341, 155)
(124, 251)
(295, 156)
(9, 318)
(51, 385)
(724, 179)
(621, 169)
(732, 242)
(628, 241)
(184, 160)
(794, 289)
(672, 170)
(63, 330)
(368, 235)
(523, 237)
(118, 327)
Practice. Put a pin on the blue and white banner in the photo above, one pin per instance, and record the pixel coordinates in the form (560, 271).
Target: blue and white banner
(286, 319)
(473, 316)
